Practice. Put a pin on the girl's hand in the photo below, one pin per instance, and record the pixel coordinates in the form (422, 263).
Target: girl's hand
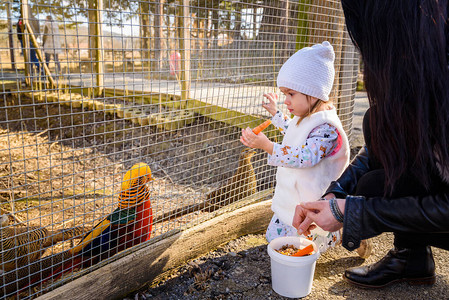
(258, 141)
(271, 106)
(319, 213)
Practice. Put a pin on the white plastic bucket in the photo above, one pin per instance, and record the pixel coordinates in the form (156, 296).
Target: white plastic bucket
(292, 276)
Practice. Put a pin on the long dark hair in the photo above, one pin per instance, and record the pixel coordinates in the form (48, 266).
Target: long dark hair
(404, 48)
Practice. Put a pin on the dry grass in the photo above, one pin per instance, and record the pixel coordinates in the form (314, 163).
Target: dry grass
(62, 166)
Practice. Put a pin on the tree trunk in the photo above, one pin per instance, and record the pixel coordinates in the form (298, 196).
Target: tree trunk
(215, 30)
(92, 16)
(145, 35)
(158, 34)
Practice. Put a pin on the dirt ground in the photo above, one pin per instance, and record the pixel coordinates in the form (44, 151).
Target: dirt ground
(240, 269)
(61, 166)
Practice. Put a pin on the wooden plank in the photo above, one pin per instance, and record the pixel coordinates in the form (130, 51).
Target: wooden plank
(140, 268)
(214, 112)
(8, 85)
(229, 116)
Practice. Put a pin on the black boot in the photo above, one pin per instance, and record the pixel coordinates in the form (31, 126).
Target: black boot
(416, 266)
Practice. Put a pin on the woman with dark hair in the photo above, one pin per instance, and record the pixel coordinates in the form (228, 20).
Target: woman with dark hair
(399, 181)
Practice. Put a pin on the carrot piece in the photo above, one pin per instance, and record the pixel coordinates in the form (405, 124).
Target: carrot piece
(304, 251)
(261, 127)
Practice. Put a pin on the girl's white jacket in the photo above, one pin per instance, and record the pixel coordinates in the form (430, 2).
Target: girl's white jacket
(296, 185)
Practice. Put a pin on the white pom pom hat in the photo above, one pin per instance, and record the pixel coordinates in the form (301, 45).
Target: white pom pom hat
(310, 71)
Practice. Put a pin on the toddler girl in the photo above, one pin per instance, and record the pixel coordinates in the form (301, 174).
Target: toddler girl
(315, 148)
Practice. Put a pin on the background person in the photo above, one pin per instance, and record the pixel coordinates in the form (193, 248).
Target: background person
(51, 43)
(19, 28)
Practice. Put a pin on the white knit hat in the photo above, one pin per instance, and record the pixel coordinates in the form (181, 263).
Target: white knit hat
(310, 71)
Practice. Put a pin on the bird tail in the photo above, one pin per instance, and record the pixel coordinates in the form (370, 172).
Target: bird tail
(54, 269)
(41, 271)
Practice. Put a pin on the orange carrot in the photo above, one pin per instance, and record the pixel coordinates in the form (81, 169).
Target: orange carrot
(261, 127)
(304, 251)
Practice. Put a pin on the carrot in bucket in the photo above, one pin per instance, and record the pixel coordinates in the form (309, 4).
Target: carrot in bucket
(261, 127)
(305, 251)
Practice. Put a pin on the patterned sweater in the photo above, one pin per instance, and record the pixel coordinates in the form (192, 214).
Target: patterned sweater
(321, 142)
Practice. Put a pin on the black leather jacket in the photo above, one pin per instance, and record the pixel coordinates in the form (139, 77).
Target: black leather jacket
(368, 217)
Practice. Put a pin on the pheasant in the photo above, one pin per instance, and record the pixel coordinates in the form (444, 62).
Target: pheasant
(241, 185)
(130, 224)
(21, 246)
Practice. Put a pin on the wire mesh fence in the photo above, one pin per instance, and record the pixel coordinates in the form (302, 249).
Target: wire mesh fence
(120, 121)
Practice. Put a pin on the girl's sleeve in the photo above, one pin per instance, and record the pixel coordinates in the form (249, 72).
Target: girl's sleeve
(322, 140)
(280, 121)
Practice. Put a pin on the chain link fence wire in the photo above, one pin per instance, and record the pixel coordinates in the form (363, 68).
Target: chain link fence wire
(92, 88)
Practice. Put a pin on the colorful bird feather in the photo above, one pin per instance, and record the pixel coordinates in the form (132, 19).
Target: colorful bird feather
(130, 224)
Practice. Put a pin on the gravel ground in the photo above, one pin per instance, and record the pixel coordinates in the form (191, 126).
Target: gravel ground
(241, 268)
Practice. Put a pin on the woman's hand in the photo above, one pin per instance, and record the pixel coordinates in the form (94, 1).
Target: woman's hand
(317, 212)
(258, 141)
(271, 106)
(301, 222)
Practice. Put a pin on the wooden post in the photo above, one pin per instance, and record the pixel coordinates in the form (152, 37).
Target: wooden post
(28, 36)
(99, 52)
(10, 36)
(145, 33)
(91, 19)
(184, 45)
(26, 42)
(158, 33)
